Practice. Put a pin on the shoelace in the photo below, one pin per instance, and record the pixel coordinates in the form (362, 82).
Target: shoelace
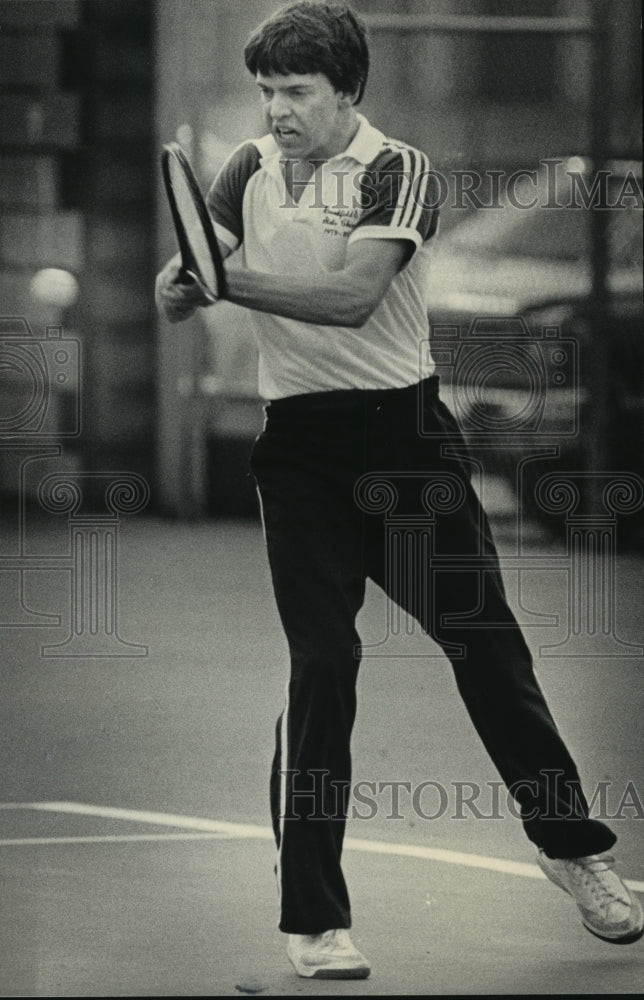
(593, 878)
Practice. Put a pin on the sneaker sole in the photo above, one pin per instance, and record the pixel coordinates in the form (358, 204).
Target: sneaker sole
(359, 972)
(625, 939)
(622, 939)
(339, 974)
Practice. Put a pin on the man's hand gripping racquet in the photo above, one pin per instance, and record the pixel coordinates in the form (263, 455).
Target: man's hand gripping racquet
(201, 260)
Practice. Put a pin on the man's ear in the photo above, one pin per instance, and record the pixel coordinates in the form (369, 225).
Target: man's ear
(347, 100)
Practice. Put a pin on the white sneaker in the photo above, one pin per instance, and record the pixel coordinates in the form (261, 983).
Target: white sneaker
(330, 955)
(608, 909)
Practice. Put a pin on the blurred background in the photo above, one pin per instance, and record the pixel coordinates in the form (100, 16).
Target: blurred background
(92, 88)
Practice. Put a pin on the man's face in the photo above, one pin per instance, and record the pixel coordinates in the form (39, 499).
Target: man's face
(304, 114)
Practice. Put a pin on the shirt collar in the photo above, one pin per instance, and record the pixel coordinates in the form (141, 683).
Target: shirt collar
(364, 147)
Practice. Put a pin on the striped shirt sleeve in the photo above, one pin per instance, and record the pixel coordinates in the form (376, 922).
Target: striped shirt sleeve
(398, 198)
(226, 195)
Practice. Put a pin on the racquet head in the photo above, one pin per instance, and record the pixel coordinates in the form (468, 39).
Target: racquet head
(201, 258)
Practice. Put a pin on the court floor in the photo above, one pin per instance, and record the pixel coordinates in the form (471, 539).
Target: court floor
(109, 902)
(135, 853)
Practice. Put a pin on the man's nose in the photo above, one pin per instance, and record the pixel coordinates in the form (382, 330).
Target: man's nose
(280, 106)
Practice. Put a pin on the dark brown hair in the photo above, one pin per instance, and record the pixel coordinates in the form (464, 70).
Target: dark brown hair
(311, 36)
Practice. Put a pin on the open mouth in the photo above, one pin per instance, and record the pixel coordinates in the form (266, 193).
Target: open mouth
(285, 134)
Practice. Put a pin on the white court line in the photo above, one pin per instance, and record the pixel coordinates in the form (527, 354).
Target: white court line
(252, 831)
(143, 816)
(115, 838)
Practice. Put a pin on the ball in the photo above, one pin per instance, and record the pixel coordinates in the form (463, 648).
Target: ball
(55, 287)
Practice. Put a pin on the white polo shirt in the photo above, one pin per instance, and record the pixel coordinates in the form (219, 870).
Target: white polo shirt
(376, 189)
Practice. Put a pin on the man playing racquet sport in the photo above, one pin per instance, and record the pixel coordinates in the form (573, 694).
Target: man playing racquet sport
(335, 223)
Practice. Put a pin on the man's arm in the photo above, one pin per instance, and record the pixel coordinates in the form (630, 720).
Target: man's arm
(328, 298)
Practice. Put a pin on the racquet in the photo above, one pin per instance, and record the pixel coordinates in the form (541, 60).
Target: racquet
(201, 259)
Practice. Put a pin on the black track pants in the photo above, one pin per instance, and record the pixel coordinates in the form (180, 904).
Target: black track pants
(333, 469)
